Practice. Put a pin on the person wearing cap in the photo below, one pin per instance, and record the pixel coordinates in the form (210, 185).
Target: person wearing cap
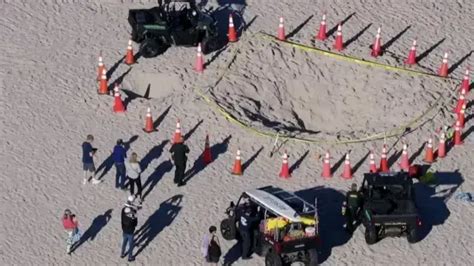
(129, 222)
(88, 166)
(133, 171)
(178, 152)
(71, 226)
(351, 207)
(119, 154)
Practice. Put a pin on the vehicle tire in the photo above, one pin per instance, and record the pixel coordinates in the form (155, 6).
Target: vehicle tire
(262, 249)
(312, 259)
(209, 45)
(370, 235)
(150, 48)
(273, 259)
(412, 235)
(228, 229)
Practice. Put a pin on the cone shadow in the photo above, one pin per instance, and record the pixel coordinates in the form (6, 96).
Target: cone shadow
(334, 29)
(467, 133)
(338, 164)
(297, 164)
(355, 37)
(394, 39)
(417, 153)
(427, 52)
(160, 119)
(459, 62)
(114, 67)
(119, 80)
(297, 29)
(394, 158)
(251, 159)
(360, 162)
(191, 132)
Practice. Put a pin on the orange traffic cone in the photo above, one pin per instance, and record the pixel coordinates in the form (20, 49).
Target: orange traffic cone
(100, 67)
(285, 170)
(177, 134)
(429, 155)
(443, 69)
(322, 29)
(326, 167)
(383, 161)
(118, 103)
(148, 122)
(465, 81)
(404, 164)
(461, 102)
(199, 67)
(458, 134)
(372, 166)
(129, 57)
(207, 156)
(347, 173)
(103, 87)
(237, 169)
(442, 146)
(338, 44)
(281, 30)
(461, 117)
(411, 59)
(232, 33)
(377, 47)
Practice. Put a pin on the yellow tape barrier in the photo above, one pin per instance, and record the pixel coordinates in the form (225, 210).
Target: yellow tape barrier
(348, 57)
(414, 123)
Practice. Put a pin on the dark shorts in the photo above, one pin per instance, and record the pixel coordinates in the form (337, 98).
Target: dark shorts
(212, 259)
(88, 167)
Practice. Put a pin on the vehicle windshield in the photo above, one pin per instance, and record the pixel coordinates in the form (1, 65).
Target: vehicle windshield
(393, 191)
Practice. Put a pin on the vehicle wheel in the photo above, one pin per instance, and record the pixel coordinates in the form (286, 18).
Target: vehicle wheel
(370, 235)
(150, 48)
(312, 258)
(209, 45)
(273, 259)
(412, 235)
(262, 249)
(228, 229)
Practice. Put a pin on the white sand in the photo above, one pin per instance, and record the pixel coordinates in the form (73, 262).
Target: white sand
(49, 104)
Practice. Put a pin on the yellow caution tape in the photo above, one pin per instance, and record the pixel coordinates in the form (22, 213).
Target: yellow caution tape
(348, 57)
(414, 123)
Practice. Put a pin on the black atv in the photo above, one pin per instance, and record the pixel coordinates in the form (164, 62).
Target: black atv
(174, 23)
(389, 207)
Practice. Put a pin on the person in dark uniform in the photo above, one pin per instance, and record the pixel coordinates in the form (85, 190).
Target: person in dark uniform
(129, 222)
(351, 207)
(178, 152)
(246, 225)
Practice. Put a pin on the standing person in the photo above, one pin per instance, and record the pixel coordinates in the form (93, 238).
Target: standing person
(119, 155)
(129, 222)
(213, 247)
(246, 225)
(71, 225)
(88, 153)
(351, 207)
(178, 153)
(133, 173)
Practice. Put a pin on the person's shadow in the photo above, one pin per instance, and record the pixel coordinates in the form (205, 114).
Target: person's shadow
(156, 176)
(160, 219)
(98, 223)
(331, 221)
(233, 254)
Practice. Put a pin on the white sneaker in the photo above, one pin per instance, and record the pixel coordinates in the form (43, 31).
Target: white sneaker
(96, 181)
(84, 181)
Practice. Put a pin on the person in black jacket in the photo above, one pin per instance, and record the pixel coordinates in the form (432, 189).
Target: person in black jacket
(246, 225)
(351, 207)
(178, 152)
(129, 222)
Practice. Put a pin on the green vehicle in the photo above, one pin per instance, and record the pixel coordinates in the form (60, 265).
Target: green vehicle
(174, 23)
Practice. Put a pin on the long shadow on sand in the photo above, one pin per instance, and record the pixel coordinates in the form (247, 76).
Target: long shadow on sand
(107, 164)
(98, 223)
(431, 200)
(331, 222)
(199, 165)
(156, 176)
(157, 222)
(251, 159)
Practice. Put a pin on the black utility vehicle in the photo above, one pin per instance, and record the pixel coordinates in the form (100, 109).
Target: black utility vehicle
(177, 22)
(287, 229)
(389, 207)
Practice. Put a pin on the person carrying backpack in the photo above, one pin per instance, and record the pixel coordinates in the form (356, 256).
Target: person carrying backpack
(211, 248)
(71, 225)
